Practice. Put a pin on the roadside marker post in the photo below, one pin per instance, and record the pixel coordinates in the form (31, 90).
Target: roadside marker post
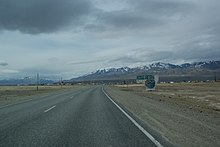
(37, 81)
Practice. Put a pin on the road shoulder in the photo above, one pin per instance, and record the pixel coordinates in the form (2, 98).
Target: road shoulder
(178, 125)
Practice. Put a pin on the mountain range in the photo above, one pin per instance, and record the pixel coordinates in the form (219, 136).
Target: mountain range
(168, 72)
(201, 71)
(25, 81)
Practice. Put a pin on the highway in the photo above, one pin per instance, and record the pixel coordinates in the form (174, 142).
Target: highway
(76, 117)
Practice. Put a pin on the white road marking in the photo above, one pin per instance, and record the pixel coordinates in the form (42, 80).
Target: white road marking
(49, 109)
(134, 122)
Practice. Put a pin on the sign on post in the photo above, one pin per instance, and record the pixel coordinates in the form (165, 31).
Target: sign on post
(140, 79)
(149, 81)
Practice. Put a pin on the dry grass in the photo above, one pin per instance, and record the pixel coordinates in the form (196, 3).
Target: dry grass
(11, 94)
(193, 95)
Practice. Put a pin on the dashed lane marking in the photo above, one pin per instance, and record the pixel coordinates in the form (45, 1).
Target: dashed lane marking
(49, 109)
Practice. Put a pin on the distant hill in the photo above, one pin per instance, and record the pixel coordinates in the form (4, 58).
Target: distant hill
(24, 81)
(167, 72)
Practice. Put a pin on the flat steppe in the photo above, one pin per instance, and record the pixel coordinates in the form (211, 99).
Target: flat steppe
(14, 94)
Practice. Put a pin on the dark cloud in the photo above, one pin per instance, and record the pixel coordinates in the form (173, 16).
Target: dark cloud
(2, 63)
(95, 27)
(128, 19)
(143, 14)
(161, 7)
(40, 16)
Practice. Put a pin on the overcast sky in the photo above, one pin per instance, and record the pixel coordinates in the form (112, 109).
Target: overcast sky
(70, 38)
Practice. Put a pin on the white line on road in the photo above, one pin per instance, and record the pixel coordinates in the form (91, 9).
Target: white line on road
(49, 109)
(134, 122)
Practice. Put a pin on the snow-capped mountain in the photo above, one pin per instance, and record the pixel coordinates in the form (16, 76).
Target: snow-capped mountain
(115, 70)
(25, 81)
(155, 68)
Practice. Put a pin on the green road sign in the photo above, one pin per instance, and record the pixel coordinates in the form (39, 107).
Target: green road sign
(145, 77)
(142, 77)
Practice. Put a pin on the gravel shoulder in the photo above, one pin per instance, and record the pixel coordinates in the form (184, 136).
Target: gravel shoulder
(177, 122)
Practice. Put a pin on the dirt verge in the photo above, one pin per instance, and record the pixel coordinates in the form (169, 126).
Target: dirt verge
(182, 121)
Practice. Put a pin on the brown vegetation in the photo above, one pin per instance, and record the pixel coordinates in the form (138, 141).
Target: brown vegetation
(194, 95)
(11, 94)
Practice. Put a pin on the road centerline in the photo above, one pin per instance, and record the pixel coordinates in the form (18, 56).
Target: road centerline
(49, 109)
(147, 134)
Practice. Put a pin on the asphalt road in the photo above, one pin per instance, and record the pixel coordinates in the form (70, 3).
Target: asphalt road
(82, 117)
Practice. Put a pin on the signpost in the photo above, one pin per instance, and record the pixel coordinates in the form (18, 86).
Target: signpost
(140, 79)
(37, 81)
(149, 81)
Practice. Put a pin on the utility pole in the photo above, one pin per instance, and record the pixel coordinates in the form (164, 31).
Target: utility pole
(60, 82)
(215, 77)
(37, 80)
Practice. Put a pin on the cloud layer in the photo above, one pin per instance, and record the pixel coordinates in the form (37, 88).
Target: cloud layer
(42, 16)
(3, 63)
(74, 37)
